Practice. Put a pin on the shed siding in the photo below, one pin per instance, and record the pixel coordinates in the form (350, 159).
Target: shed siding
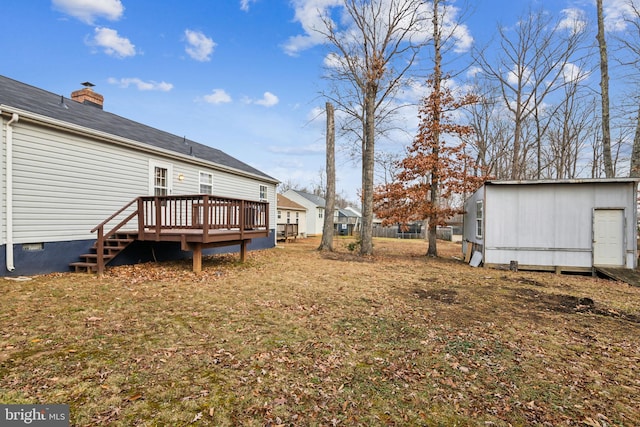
(65, 184)
(551, 225)
(469, 223)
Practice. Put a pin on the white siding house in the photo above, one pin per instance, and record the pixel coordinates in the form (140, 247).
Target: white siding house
(66, 165)
(290, 212)
(315, 206)
(567, 225)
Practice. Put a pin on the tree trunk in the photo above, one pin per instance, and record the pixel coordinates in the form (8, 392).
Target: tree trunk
(366, 236)
(634, 171)
(330, 196)
(432, 249)
(604, 85)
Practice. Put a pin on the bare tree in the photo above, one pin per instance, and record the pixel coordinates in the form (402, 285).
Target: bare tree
(604, 86)
(631, 46)
(368, 65)
(330, 196)
(529, 67)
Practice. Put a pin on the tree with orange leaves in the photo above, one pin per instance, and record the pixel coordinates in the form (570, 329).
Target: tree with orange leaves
(436, 167)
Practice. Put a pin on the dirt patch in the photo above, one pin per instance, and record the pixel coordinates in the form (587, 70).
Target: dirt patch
(447, 296)
(570, 304)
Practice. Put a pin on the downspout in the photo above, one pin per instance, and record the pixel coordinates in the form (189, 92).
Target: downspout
(9, 191)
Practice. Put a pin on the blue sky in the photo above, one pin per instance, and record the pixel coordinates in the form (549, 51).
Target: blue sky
(243, 76)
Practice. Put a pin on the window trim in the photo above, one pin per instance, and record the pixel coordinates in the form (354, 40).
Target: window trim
(200, 183)
(479, 218)
(263, 192)
(153, 164)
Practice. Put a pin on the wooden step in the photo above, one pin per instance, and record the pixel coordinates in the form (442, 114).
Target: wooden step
(107, 257)
(84, 267)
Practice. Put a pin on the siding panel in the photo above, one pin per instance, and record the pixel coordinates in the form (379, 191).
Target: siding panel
(65, 184)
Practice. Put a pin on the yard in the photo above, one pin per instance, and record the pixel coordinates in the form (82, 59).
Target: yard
(294, 337)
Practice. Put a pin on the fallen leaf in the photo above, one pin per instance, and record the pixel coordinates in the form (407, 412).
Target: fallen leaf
(133, 397)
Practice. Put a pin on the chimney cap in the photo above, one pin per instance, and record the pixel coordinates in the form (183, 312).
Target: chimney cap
(87, 84)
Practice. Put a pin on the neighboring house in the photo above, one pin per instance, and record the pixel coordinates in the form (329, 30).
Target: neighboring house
(66, 165)
(346, 221)
(566, 225)
(315, 206)
(292, 218)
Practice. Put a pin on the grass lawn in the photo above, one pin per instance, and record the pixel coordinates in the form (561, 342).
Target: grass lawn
(294, 337)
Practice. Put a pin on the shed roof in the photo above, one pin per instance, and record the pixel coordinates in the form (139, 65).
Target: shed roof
(14, 94)
(564, 181)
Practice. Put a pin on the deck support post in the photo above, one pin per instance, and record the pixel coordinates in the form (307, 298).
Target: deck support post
(197, 257)
(243, 250)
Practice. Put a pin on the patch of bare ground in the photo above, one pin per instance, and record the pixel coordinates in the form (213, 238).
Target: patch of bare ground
(296, 337)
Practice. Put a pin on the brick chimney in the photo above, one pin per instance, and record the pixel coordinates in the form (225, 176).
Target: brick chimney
(87, 96)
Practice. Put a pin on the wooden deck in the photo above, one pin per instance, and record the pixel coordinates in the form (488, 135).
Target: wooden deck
(195, 221)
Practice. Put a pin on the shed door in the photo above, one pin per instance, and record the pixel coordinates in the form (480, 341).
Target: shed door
(608, 237)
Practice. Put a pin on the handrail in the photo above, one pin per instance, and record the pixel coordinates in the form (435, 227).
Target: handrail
(103, 223)
(101, 235)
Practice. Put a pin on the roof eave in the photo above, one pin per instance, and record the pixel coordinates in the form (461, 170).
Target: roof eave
(81, 130)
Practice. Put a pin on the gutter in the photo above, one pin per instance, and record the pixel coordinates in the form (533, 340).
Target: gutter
(9, 191)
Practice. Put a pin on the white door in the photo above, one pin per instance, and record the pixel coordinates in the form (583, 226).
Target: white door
(608, 237)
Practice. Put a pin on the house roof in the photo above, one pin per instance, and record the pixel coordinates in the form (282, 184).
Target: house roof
(21, 96)
(286, 203)
(349, 213)
(316, 200)
(563, 181)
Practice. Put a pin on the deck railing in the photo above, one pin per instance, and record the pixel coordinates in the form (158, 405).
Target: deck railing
(201, 212)
(188, 212)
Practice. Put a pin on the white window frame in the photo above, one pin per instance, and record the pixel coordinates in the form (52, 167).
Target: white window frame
(153, 164)
(207, 184)
(479, 218)
(263, 193)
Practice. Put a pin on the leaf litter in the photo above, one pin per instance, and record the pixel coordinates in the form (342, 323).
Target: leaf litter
(295, 337)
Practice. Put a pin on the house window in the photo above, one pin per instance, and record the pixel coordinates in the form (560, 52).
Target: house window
(288, 217)
(279, 214)
(161, 182)
(297, 217)
(206, 183)
(263, 192)
(479, 216)
(320, 213)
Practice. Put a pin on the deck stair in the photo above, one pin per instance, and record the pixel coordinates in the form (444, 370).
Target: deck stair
(113, 245)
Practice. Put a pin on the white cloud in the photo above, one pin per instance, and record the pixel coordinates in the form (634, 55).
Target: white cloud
(88, 11)
(516, 76)
(112, 43)
(309, 14)
(573, 73)
(140, 84)
(615, 12)
(199, 46)
(268, 100)
(573, 19)
(473, 71)
(218, 96)
(245, 4)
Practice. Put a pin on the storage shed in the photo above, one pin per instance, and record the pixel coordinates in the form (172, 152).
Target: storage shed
(565, 225)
